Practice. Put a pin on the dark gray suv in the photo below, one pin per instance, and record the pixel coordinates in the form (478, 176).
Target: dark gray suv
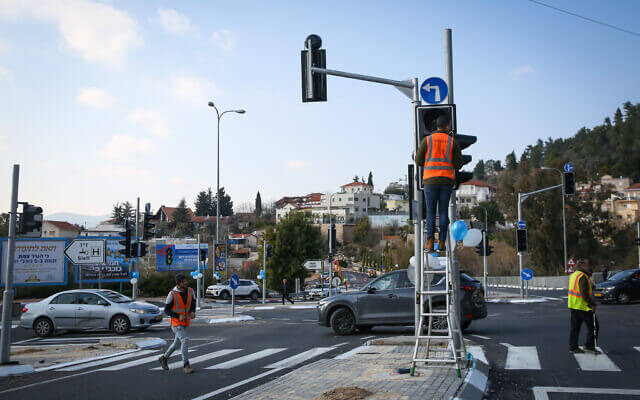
(390, 299)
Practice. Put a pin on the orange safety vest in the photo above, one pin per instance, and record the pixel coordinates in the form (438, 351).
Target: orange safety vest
(439, 159)
(181, 308)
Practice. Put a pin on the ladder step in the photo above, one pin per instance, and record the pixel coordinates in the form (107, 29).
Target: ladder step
(444, 360)
(435, 292)
(434, 314)
(434, 337)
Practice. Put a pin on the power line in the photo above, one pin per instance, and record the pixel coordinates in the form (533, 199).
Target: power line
(586, 18)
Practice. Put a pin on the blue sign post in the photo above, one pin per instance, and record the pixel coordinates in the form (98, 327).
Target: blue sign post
(434, 90)
(527, 275)
(234, 282)
(522, 225)
(568, 167)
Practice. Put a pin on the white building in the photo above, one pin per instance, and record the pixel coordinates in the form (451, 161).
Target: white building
(471, 193)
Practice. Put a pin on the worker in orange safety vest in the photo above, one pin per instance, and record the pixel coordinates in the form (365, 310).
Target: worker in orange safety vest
(180, 306)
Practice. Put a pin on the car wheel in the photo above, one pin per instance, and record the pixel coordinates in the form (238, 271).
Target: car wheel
(254, 295)
(225, 295)
(623, 298)
(343, 322)
(43, 327)
(465, 325)
(365, 328)
(120, 325)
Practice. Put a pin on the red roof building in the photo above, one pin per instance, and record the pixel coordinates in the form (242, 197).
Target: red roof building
(59, 229)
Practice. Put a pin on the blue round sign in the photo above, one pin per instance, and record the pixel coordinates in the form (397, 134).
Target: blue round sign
(568, 167)
(234, 281)
(434, 90)
(135, 274)
(526, 274)
(521, 225)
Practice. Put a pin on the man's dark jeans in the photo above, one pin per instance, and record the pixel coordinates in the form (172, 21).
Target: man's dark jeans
(437, 196)
(578, 317)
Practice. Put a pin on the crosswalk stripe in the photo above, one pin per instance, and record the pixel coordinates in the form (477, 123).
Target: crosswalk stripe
(300, 358)
(106, 361)
(592, 362)
(637, 348)
(245, 359)
(522, 357)
(478, 353)
(138, 362)
(201, 358)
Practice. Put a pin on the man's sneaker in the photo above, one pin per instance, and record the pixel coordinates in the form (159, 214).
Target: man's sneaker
(577, 350)
(187, 369)
(442, 246)
(163, 362)
(592, 350)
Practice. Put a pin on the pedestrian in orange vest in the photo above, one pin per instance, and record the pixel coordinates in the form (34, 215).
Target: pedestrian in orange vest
(180, 306)
(441, 157)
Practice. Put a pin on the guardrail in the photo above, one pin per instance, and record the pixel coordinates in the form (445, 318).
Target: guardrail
(537, 283)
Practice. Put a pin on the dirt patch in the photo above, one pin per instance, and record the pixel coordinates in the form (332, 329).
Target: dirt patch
(345, 393)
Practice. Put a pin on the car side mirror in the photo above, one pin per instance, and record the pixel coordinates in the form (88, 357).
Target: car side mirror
(371, 290)
(103, 303)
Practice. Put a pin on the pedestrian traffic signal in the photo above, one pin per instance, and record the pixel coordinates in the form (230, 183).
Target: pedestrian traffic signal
(521, 241)
(127, 251)
(569, 183)
(269, 250)
(169, 256)
(314, 85)
(203, 255)
(428, 115)
(30, 221)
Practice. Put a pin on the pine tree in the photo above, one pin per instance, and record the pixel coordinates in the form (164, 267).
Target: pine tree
(181, 214)
(511, 162)
(203, 204)
(479, 171)
(258, 209)
(370, 179)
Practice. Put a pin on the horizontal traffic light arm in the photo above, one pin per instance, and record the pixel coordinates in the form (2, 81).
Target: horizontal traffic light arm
(368, 78)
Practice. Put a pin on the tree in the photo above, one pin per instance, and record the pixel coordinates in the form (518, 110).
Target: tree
(182, 224)
(123, 212)
(370, 179)
(494, 215)
(294, 240)
(226, 205)
(116, 214)
(511, 162)
(356, 178)
(203, 203)
(361, 230)
(464, 212)
(258, 209)
(479, 172)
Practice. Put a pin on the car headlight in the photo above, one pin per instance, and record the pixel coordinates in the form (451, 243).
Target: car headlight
(608, 289)
(137, 310)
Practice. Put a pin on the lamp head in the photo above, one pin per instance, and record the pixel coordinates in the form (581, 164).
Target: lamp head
(240, 111)
(211, 104)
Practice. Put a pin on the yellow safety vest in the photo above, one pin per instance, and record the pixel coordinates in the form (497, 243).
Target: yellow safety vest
(576, 301)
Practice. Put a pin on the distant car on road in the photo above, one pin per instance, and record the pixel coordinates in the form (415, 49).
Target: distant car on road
(622, 287)
(83, 309)
(318, 292)
(390, 299)
(246, 288)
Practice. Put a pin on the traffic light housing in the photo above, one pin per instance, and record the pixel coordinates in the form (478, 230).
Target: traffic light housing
(147, 226)
(464, 141)
(569, 183)
(489, 249)
(332, 233)
(314, 85)
(203, 255)
(521, 241)
(143, 249)
(169, 256)
(128, 251)
(30, 221)
(480, 248)
(269, 250)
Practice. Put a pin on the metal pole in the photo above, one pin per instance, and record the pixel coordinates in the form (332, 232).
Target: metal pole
(484, 237)
(233, 302)
(638, 244)
(134, 292)
(79, 274)
(264, 269)
(519, 253)
(7, 302)
(330, 248)
(218, 187)
(564, 224)
(198, 301)
(417, 222)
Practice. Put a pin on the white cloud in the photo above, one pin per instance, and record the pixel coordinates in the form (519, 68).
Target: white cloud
(123, 171)
(154, 123)
(174, 22)
(94, 97)
(4, 45)
(98, 32)
(296, 164)
(193, 90)
(224, 39)
(5, 75)
(123, 146)
(522, 70)
(176, 180)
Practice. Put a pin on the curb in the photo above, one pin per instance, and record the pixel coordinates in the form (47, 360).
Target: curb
(18, 369)
(475, 383)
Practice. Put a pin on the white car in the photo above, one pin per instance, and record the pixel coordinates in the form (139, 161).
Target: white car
(246, 288)
(318, 293)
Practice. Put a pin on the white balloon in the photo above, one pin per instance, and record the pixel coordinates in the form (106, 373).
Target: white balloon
(412, 261)
(200, 276)
(411, 273)
(134, 281)
(473, 238)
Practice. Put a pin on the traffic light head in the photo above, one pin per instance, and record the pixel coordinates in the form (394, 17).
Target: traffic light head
(314, 85)
(427, 118)
(464, 141)
(269, 250)
(30, 221)
(569, 183)
(480, 249)
(127, 251)
(521, 241)
(203, 255)
(143, 249)
(147, 227)
(169, 256)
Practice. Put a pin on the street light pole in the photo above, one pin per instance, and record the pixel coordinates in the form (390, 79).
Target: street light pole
(564, 225)
(484, 240)
(330, 250)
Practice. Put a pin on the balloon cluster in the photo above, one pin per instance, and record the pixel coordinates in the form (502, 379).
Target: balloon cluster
(469, 237)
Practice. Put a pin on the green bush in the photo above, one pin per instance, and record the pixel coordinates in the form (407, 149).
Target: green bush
(157, 284)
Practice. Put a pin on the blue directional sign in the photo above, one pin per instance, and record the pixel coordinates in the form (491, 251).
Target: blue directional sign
(135, 274)
(234, 282)
(526, 274)
(434, 90)
(568, 167)
(522, 225)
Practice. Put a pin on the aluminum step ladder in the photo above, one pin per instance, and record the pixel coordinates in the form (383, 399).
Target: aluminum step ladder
(442, 346)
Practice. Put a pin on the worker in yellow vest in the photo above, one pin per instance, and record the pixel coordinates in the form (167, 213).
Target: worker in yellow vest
(583, 307)
(441, 157)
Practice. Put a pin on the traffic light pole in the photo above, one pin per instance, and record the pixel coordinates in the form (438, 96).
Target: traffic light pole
(264, 269)
(7, 302)
(134, 291)
(638, 239)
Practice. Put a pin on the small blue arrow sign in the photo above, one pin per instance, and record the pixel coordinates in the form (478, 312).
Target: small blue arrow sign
(568, 167)
(522, 225)
(434, 90)
(135, 274)
(526, 274)
(234, 282)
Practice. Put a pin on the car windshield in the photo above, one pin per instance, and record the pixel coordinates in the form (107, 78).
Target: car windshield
(115, 296)
(620, 276)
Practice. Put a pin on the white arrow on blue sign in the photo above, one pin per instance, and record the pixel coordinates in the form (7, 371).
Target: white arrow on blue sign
(521, 225)
(526, 274)
(568, 167)
(434, 90)
(234, 282)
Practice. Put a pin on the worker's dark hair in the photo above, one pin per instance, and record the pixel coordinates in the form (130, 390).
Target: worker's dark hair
(442, 121)
(180, 278)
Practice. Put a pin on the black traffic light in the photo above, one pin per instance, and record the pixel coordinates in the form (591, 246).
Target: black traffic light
(314, 85)
(480, 248)
(128, 251)
(464, 141)
(521, 241)
(169, 256)
(332, 234)
(30, 221)
(143, 249)
(269, 250)
(569, 183)
(427, 116)
(147, 226)
(203, 255)
(489, 249)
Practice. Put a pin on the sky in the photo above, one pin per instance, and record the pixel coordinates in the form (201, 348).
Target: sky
(103, 102)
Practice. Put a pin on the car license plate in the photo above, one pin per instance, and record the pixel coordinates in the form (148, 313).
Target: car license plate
(598, 294)
(158, 318)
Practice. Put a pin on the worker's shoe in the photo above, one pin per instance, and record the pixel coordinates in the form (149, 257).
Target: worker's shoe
(430, 243)
(163, 362)
(577, 350)
(592, 350)
(441, 245)
(187, 369)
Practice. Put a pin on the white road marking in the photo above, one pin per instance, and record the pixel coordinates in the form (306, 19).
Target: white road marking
(28, 340)
(264, 308)
(81, 339)
(301, 307)
(481, 337)
(367, 337)
(351, 352)
(637, 348)
(107, 361)
(592, 362)
(70, 363)
(199, 359)
(542, 392)
(245, 359)
(300, 358)
(138, 362)
(522, 357)
(235, 385)
(478, 353)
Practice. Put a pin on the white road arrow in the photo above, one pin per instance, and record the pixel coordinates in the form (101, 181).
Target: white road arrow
(428, 87)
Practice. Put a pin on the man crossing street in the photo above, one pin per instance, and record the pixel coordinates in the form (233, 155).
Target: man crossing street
(285, 291)
(582, 306)
(181, 307)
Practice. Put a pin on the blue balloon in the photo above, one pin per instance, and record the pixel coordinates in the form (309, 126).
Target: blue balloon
(459, 230)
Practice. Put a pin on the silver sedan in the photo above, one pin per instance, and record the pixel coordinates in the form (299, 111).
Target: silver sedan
(84, 309)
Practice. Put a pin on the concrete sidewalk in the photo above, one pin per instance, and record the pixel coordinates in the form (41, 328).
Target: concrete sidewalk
(370, 371)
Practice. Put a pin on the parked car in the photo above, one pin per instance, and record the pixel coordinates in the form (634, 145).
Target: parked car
(390, 299)
(622, 287)
(318, 292)
(246, 288)
(83, 309)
